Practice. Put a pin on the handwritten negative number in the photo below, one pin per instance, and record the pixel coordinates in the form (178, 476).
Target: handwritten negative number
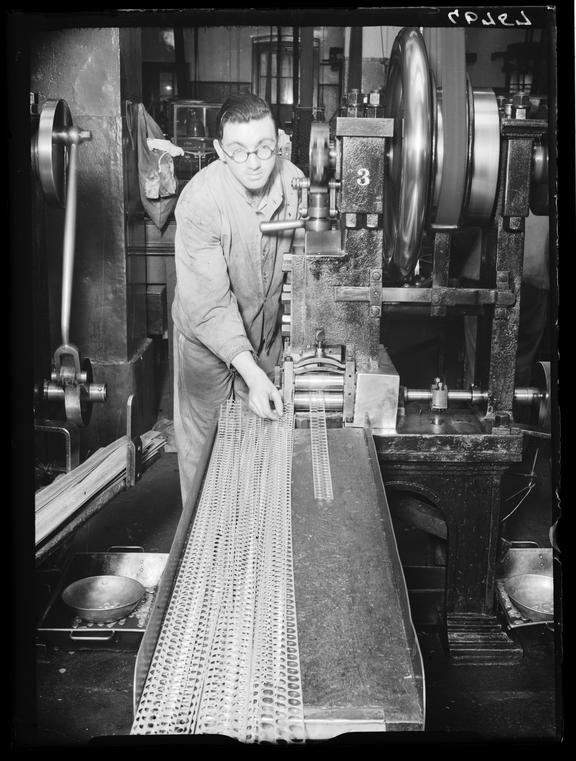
(363, 177)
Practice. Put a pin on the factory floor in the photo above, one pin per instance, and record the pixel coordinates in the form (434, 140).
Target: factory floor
(84, 697)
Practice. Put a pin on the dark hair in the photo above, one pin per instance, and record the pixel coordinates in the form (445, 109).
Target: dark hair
(242, 108)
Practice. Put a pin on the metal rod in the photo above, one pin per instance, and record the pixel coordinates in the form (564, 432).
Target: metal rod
(279, 225)
(69, 240)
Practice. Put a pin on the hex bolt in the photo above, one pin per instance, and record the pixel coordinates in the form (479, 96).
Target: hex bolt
(521, 99)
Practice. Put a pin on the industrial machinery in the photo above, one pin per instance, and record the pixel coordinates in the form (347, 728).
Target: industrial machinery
(438, 158)
(55, 142)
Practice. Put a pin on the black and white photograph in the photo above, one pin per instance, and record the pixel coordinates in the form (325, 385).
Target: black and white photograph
(285, 420)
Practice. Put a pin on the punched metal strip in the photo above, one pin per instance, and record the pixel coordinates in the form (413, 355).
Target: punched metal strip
(227, 659)
(322, 475)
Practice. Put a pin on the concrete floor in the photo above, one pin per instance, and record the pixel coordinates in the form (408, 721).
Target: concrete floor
(84, 697)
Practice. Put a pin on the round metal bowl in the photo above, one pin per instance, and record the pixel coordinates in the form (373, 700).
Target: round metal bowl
(533, 595)
(103, 599)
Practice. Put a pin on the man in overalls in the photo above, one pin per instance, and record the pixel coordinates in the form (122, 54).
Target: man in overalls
(227, 309)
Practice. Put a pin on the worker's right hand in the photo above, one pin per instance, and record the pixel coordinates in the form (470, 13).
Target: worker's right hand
(264, 398)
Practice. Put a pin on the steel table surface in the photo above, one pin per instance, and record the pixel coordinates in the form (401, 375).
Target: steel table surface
(360, 662)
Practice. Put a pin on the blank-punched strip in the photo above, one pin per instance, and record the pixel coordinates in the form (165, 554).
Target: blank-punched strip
(227, 660)
(321, 473)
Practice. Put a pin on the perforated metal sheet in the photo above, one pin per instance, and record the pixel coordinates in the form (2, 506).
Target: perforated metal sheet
(319, 448)
(227, 660)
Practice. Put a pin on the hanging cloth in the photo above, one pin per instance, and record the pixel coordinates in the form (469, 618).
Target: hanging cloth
(158, 184)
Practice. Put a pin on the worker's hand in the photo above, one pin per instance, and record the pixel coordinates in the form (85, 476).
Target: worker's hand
(263, 398)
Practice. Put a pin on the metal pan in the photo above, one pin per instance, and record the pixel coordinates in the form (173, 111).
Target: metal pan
(533, 595)
(103, 598)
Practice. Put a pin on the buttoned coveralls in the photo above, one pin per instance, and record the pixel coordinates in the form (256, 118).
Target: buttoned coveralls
(227, 299)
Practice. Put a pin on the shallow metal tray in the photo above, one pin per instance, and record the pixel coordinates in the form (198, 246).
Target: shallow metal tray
(61, 626)
(521, 560)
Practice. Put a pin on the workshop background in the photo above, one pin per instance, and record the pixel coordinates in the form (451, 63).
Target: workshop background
(121, 293)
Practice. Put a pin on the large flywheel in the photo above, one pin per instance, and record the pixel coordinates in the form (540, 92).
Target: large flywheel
(442, 162)
(408, 169)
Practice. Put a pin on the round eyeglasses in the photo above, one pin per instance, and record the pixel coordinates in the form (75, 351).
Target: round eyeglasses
(240, 155)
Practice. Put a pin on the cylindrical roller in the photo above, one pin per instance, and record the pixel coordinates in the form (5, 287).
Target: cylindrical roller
(485, 158)
(453, 104)
(319, 382)
(332, 402)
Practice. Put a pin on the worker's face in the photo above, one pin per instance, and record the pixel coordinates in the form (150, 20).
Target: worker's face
(255, 172)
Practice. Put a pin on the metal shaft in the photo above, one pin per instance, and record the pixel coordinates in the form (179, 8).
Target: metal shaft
(524, 395)
(279, 225)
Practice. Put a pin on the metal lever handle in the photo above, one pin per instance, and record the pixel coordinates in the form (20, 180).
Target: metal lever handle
(280, 225)
(104, 637)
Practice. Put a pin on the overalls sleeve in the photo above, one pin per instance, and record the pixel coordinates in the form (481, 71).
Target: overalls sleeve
(209, 306)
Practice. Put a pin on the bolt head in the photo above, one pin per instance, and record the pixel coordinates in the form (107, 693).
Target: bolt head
(521, 99)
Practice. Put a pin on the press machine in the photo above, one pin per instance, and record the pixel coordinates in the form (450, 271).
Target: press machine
(434, 160)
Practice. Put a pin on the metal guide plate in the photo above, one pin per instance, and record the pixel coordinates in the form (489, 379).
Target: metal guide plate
(359, 655)
(227, 660)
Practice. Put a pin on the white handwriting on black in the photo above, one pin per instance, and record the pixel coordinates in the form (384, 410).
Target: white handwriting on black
(502, 19)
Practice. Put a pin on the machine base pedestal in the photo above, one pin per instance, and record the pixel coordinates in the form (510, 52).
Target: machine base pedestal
(478, 639)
